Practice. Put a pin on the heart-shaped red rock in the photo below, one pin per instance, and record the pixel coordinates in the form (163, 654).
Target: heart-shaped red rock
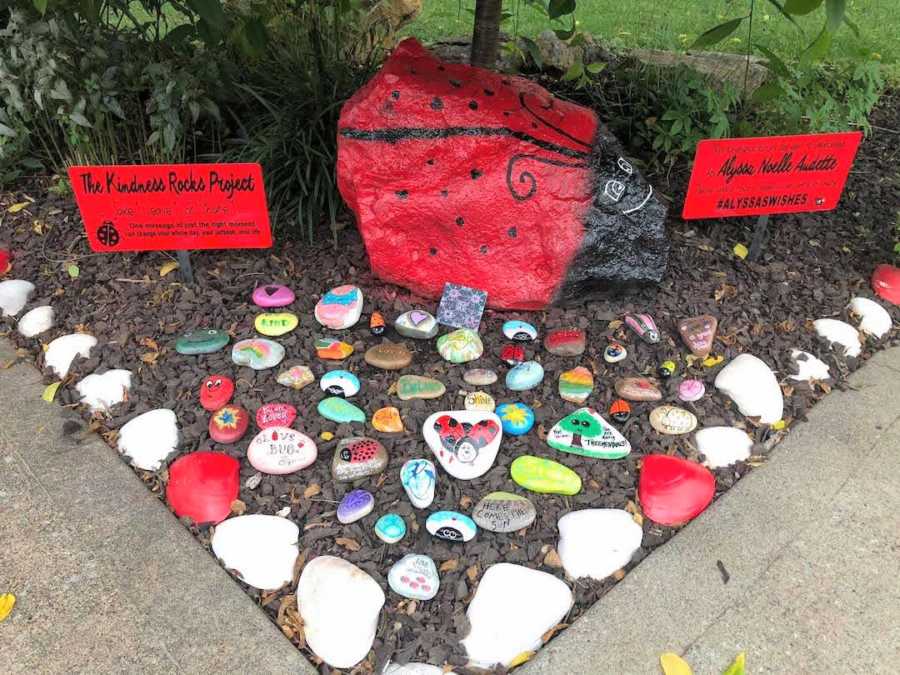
(674, 490)
(275, 415)
(202, 486)
(215, 391)
(886, 283)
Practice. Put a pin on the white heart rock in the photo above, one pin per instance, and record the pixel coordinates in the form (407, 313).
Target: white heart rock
(413, 669)
(339, 604)
(875, 319)
(752, 386)
(723, 446)
(63, 350)
(839, 332)
(149, 438)
(464, 441)
(14, 295)
(281, 450)
(261, 549)
(102, 392)
(809, 367)
(512, 608)
(597, 542)
(36, 321)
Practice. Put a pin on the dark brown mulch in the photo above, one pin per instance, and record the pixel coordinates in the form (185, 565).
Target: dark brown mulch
(813, 266)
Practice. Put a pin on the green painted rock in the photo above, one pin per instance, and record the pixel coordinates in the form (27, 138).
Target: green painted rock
(338, 410)
(201, 341)
(544, 475)
(460, 346)
(274, 324)
(416, 386)
(586, 433)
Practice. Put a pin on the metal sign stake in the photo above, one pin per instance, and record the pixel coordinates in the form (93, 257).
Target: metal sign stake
(184, 266)
(760, 237)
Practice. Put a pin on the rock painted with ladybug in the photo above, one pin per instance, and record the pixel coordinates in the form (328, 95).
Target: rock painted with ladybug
(523, 195)
(586, 433)
(358, 457)
(215, 391)
(464, 441)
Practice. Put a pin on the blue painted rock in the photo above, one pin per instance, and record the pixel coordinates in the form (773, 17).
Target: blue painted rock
(340, 411)
(418, 477)
(340, 307)
(614, 353)
(460, 346)
(586, 433)
(515, 418)
(544, 475)
(390, 528)
(414, 576)
(272, 295)
(451, 526)
(201, 341)
(358, 457)
(257, 353)
(417, 323)
(356, 504)
(520, 331)
(341, 383)
(524, 376)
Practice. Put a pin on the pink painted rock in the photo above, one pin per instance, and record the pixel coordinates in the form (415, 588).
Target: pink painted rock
(643, 326)
(886, 283)
(202, 486)
(279, 450)
(215, 391)
(228, 424)
(565, 341)
(672, 490)
(275, 415)
(272, 295)
(340, 307)
(637, 389)
(520, 194)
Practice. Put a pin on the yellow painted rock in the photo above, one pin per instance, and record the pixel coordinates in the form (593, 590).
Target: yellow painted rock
(275, 323)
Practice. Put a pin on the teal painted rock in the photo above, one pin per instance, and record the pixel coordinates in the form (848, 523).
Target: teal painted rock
(460, 346)
(544, 475)
(416, 386)
(390, 528)
(338, 410)
(586, 433)
(524, 376)
(201, 341)
(451, 525)
(257, 353)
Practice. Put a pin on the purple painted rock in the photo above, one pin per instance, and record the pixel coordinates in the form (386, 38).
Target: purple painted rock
(228, 424)
(698, 334)
(356, 504)
(275, 415)
(279, 450)
(273, 295)
(637, 389)
(644, 326)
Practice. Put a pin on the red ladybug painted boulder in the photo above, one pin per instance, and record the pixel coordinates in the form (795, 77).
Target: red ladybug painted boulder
(202, 486)
(886, 283)
(459, 174)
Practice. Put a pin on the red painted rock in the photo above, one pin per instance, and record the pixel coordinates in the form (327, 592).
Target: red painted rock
(5, 264)
(565, 341)
(512, 354)
(673, 490)
(202, 486)
(886, 283)
(228, 424)
(275, 415)
(215, 391)
(520, 194)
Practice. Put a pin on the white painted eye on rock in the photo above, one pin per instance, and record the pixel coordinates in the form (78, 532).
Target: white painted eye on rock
(340, 383)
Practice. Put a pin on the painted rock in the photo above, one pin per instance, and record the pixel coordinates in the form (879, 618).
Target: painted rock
(36, 321)
(414, 576)
(480, 377)
(418, 477)
(102, 392)
(273, 324)
(451, 526)
(296, 377)
(752, 386)
(279, 450)
(341, 383)
(389, 356)
(460, 346)
(585, 432)
(215, 391)
(691, 390)
(620, 410)
(565, 341)
(272, 295)
(524, 376)
(723, 446)
(356, 504)
(201, 341)
(672, 490)
(376, 323)
(358, 457)
(512, 354)
(417, 323)
(261, 549)
(340, 307)
(415, 386)
(390, 528)
(886, 283)
(644, 327)
(340, 606)
(14, 295)
(465, 441)
(809, 368)
(698, 334)
(149, 438)
(614, 352)
(257, 353)
(275, 415)
(504, 512)
(513, 608)
(387, 420)
(520, 331)
(5, 261)
(637, 389)
(839, 333)
(874, 318)
(461, 306)
(544, 475)
(479, 400)
(340, 411)
(597, 542)
(332, 349)
(671, 420)
(63, 350)
(576, 385)
(515, 418)
(228, 424)
(666, 369)
(202, 486)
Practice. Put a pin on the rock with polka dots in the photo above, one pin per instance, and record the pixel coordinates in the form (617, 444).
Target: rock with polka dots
(358, 457)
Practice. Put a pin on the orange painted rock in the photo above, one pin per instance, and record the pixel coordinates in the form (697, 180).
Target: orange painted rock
(335, 350)
(387, 420)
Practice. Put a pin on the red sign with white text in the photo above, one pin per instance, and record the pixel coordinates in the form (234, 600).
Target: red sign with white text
(770, 174)
(153, 207)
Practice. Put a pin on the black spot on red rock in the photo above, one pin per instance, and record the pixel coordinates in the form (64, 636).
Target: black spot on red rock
(460, 221)
(432, 250)
(488, 92)
(441, 68)
(395, 94)
(402, 194)
(484, 248)
(476, 174)
(430, 162)
(444, 193)
(437, 104)
(455, 83)
(473, 105)
(506, 82)
(512, 232)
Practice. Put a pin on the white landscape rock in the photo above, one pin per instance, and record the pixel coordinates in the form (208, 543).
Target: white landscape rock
(413, 669)
(339, 604)
(809, 367)
(751, 384)
(14, 295)
(723, 446)
(875, 319)
(839, 332)
(102, 392)
(261, 549)
(149, 438)
(512, 608)
(597, 542)
(36, 321)
(63, 350)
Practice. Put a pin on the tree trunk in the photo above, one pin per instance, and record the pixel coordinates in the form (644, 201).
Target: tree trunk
(486, 34)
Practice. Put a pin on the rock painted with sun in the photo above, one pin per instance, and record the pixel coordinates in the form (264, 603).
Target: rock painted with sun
(464, 441)
(585, 432)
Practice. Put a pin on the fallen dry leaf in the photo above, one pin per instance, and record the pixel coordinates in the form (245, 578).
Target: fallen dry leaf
(15, 208)
(7, 602)
(552, 559)
(672, 664)
(472, 573)
(167, 267)
(347, 543)
(465, 502)
(312, 490)
(50, 392)
(238, 507)
(150, 358)
(450, 565)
